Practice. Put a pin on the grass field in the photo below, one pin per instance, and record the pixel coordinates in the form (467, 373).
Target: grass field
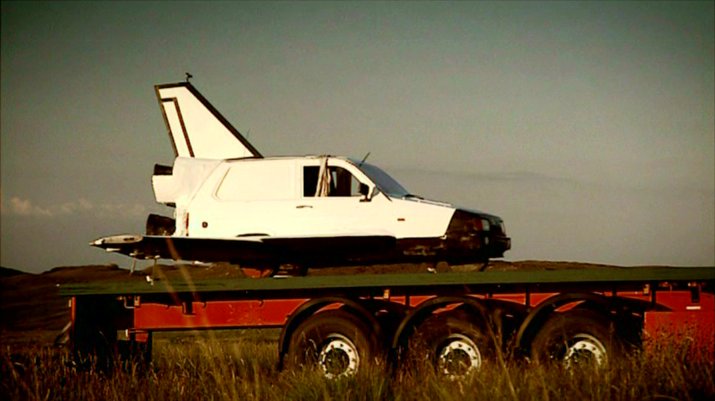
(242, 366)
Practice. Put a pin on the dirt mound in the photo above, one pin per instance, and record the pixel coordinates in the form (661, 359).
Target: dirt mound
(31, 302)
(195, 271)
(8, 272)
(495, 265)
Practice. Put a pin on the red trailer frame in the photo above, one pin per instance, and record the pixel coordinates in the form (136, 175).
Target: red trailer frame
(642, 305)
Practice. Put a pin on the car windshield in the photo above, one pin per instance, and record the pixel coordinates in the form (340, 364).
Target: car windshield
(384, 182)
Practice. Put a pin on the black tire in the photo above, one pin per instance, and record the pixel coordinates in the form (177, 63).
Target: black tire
(335, 342)
(95, 347)
(453, 342)
(576, 338)
(134, 353)
(94, 338)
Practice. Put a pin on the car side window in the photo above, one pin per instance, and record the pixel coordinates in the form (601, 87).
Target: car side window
(342, 182)
(310, 180)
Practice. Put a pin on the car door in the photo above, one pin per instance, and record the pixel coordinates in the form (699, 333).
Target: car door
(339, 209)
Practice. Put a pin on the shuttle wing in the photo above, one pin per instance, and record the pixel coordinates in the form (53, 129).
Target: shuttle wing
(248, 250)
(196, 128)
(182, 248)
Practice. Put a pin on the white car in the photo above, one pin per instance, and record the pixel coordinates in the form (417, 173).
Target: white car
(234, 205)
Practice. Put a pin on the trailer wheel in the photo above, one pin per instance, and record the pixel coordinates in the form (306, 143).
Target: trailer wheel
(576, 338)
(335, 341)
(452, 342)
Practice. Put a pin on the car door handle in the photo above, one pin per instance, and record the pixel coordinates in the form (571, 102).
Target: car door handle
(304, 207)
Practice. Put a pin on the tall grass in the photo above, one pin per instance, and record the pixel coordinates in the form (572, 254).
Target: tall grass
(242, 366)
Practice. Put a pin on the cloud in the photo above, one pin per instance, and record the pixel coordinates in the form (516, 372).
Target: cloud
(25, 207)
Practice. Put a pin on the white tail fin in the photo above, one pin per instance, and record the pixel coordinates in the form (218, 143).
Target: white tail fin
(196, 128)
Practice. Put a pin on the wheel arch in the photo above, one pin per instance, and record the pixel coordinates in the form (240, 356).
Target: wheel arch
(539, 315)
(425, 309)
(313, 306)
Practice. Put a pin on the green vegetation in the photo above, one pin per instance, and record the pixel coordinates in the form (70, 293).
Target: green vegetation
(242, 366)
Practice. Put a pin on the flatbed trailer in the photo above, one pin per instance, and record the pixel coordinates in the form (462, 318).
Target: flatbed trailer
(456, 321)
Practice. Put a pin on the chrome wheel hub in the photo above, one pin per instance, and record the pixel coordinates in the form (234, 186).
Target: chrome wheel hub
(585, 348)
(458, 357)
(338, 357)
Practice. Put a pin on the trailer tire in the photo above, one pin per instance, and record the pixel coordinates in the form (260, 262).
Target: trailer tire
(452, 342)
(336, 342)
(576, 338)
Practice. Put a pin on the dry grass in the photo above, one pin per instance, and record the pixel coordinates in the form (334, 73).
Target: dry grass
(242, 366)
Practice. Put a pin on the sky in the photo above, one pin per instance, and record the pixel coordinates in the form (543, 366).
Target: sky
(588, 127)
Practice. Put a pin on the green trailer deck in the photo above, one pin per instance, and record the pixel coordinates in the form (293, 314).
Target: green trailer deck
(493, 281)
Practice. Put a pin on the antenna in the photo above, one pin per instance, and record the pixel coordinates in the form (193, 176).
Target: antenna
(363, 159)
(188, 76)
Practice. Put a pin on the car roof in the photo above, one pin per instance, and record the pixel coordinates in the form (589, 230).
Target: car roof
(309, 157)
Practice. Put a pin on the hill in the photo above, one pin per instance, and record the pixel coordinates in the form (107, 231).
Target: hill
(8, 272)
